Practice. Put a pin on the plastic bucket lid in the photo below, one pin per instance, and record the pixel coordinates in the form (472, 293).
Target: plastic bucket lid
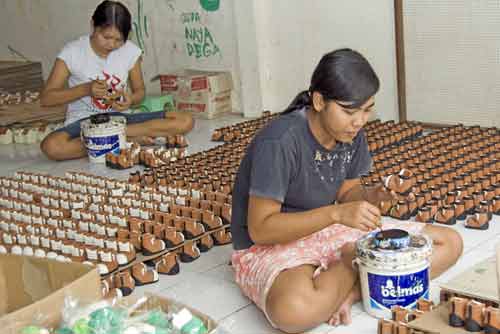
(390, 277)
(419, 250)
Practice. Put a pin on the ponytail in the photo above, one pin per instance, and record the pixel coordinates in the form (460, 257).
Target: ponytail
(303, 99)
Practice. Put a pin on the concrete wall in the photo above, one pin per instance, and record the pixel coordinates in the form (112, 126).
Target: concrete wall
(271, 47)
(292, 35)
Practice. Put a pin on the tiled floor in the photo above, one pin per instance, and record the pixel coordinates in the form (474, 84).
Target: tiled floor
(207, 283)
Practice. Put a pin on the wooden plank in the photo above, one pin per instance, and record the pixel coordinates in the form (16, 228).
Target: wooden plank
(435, 125)
(19, 76)
(436, 321)
(16, 64)
(400, 59)
(479, 281)
(25, 113)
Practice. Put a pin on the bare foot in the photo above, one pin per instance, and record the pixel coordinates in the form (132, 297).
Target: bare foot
(343, 314)
(142, 140)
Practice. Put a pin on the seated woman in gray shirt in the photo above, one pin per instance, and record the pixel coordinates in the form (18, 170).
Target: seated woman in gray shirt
(298, 204)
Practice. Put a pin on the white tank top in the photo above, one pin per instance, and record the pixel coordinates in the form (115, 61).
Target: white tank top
(85, 65)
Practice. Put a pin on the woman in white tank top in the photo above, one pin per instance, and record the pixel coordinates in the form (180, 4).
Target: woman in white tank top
(92, 74)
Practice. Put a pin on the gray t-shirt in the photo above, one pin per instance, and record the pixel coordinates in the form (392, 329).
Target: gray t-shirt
(285, 162)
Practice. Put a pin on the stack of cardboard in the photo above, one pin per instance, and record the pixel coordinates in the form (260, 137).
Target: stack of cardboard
(20, 76)
(28, 113)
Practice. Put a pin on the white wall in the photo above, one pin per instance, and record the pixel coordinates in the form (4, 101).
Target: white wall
(452, 51)
(272, 45)
(292, 35)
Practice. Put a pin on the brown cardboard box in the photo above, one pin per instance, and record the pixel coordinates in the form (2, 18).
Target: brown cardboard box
(478, 282)
(436, 321)
(166, 305)
(33, 290)
(204, 94)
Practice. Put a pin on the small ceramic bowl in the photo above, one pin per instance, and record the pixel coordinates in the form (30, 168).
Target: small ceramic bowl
(392, 239)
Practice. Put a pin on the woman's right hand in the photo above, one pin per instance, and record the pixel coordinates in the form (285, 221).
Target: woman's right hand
(97, 88)
(360, 215)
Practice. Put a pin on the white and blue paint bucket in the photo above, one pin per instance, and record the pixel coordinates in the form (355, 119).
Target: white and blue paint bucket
(102, 134)
(394, 275)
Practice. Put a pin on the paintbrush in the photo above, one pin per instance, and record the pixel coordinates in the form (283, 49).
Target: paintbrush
(364, 195)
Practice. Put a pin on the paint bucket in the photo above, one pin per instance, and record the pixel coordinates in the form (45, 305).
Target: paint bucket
(395, 275)
(101, 134)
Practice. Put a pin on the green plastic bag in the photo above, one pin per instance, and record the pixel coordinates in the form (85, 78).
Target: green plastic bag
(156, 103)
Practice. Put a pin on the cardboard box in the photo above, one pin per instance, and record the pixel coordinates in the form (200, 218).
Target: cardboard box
(166, 304)
(478, 282)
(203, 94)
(33, 289)
(436, 322)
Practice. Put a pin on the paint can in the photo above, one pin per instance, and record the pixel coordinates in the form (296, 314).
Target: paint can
(101, 134)
(393, 273)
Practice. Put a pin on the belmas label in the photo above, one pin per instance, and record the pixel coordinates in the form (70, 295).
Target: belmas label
(403, 290)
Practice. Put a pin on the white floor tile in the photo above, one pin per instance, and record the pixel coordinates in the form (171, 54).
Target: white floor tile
(467, 260)
(215, 257)
(473, 238)
(215, 297)
(361, 324)
(357, 309)
(167, 281)
(223, 271)
(248, 320)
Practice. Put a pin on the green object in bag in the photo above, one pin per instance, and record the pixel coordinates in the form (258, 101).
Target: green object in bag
(157, 103)
(34, 330)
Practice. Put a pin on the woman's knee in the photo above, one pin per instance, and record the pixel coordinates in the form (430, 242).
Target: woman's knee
(51, 146)
(293, 312)
(447, 237)
(454, 239)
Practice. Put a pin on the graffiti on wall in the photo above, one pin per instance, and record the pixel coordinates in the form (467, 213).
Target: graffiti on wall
(140, 26)
(171, 4)
(200, 42)
(210, 5)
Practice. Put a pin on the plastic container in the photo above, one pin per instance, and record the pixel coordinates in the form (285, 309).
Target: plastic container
(102, 134)
(391, 277)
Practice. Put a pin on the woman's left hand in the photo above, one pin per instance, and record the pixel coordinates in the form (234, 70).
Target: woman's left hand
(124, 103)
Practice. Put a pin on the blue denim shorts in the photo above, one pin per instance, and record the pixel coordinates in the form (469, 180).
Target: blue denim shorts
(73, 129)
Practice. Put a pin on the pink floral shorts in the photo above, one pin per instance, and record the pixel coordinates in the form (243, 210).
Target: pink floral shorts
(257, 267)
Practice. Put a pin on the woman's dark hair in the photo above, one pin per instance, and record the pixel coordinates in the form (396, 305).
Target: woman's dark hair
(342, 75)
(113, 14)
